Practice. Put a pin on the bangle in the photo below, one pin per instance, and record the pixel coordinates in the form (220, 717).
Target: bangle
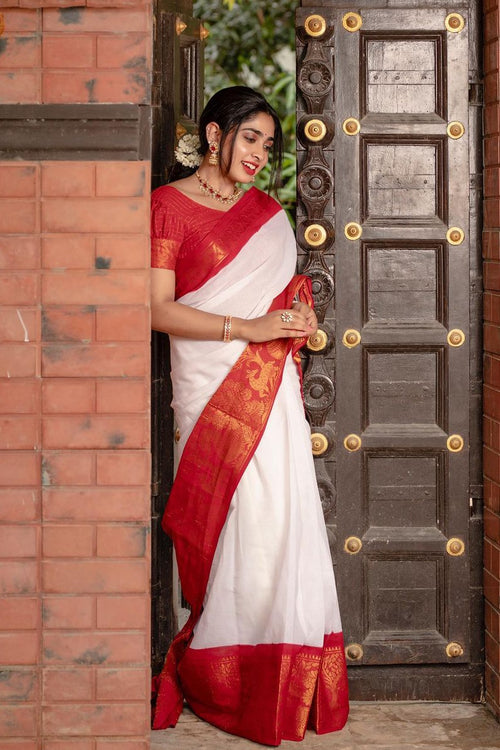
(227, 328)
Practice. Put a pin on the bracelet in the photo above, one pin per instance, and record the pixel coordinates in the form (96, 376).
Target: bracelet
(227, 328)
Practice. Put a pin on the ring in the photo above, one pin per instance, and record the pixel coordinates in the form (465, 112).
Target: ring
(286, 317)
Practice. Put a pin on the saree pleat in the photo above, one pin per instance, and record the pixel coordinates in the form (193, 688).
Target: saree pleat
(261, 655)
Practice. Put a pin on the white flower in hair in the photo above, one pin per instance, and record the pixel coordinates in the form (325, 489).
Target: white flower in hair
(187, 151)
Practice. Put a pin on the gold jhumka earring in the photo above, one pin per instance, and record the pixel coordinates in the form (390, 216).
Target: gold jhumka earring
(213, 159)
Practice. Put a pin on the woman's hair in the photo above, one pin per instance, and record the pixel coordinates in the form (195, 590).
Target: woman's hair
(230, 108)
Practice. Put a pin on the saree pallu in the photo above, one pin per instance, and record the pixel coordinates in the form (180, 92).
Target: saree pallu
(261, 655)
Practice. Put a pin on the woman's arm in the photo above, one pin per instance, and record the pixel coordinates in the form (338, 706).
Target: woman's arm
(181, 320)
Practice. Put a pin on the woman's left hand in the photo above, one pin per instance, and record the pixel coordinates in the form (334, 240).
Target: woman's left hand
(308, 313)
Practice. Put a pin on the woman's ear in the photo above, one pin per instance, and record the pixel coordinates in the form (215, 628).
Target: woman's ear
(213, 132)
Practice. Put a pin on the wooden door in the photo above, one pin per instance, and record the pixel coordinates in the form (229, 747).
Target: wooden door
(388, 187)
(177, 102)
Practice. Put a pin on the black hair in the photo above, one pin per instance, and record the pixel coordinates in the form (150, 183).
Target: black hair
(230, 108)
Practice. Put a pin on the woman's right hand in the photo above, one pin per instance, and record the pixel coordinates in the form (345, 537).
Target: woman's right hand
(272, 326)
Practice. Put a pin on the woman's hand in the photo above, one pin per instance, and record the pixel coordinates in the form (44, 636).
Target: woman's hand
(272, 326)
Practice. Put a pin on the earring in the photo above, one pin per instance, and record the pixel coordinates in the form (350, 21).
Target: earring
(213, 159)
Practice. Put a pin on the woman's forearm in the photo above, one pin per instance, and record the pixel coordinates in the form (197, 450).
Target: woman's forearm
(186, 322)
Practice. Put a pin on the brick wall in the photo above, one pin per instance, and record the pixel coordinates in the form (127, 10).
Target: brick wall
(491, 253)
(74, 398)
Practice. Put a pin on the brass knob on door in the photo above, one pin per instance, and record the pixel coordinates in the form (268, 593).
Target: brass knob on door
(315, 25)
(455, 235)
(351, 338)
(352, 442)
(353, 231)
(315, 235)
(315, 130)
(455, 547)
(455, 130)
(318, 341)
(204, 32)
(354, 651)
(352, 21)
(456, 337)
(319, 443)
(179, 26)
(352, 545)
(454, 649)
(454, 22)
(351, 126)
(455, 443)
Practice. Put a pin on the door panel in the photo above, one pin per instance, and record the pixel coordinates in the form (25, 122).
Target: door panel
(400, 315)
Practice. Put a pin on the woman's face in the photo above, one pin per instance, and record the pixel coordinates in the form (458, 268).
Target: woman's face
(252, 145)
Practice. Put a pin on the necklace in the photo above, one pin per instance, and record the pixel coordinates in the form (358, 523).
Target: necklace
(212, 192)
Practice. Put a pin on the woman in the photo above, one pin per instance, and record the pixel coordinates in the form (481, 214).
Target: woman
(261, 655)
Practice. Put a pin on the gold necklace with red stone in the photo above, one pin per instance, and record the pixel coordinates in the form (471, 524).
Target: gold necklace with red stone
(212, 192)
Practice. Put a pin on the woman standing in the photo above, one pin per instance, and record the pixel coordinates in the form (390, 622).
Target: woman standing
(261, 655)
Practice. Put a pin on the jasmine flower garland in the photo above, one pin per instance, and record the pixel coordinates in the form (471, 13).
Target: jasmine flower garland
(187, 151)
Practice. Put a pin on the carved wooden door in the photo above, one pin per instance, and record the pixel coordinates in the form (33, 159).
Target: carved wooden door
(389, 126)
(177, 102)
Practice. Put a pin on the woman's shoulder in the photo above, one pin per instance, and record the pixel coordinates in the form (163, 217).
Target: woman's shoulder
(167, 194)
(265, 201)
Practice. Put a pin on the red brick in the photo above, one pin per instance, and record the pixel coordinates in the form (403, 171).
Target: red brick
(17, 216)
(17, 324)
(19, 648)
(68, 179)
(491, 402)
(115, 21)
(84, 719)
(67, 685)
(123, 612)
(491, 589)
(19, 468)
(491, 151)
(21, 52)
(67, 743)
(131, 251)
(17, 180)
(19, 87)
(95, 648)
(19, 505)
(491, 338)
(19, 397)
(18, 288)
(102, 287)
(68, 324)
(94, 215)
(131, 51)
(117, 396)
(123, 467)
(68, 468)
(92, 85)
(95, 432)
(491, 525)
(18, 541)
(20, 745)
(491, 88)
(129, 684)
(18, 577)
(121, 178)
(491, 119)
(20, 252)
(68, 612)
(18, 685)
(491, 212)
(68, 541)
(121, 744)
(122, 541)
(18, 613)
(68, 251)
(68, 51)
(72, 396)
(99, 504)
(123, 324)
(18, 432)
(94, 576)
(21, 20)
(98, 360)
(17, 721)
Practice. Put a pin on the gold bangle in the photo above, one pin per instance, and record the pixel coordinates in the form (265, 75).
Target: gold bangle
(227, 328)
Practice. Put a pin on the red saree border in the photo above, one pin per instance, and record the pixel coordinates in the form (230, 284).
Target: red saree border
(214, 459)
(269, 692)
